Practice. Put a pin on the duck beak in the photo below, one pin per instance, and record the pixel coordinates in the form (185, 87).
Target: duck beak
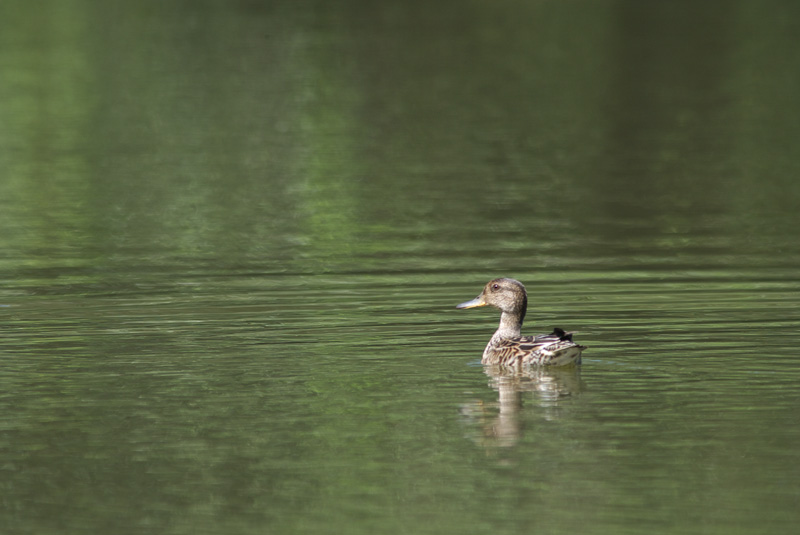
(477, 302)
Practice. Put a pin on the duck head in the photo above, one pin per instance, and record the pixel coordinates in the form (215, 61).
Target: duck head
(508, 295)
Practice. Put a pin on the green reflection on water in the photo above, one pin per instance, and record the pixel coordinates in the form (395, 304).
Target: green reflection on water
(233, 235)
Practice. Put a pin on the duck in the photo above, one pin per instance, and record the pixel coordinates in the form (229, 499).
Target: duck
(508, 347)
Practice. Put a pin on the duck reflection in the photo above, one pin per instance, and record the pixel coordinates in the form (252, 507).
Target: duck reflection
(499, 423)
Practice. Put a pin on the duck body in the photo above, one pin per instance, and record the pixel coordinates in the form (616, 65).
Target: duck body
(508, 347)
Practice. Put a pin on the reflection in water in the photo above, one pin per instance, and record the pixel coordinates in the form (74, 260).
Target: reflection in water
(500, 424)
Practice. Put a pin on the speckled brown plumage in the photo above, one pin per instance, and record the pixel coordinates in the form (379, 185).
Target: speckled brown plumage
(508, 347)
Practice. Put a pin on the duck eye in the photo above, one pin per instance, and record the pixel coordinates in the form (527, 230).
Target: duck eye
(495, 286)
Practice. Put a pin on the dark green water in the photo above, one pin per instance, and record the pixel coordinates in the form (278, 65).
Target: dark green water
(232, 236)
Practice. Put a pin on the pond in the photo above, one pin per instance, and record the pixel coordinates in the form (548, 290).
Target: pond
(234, 236)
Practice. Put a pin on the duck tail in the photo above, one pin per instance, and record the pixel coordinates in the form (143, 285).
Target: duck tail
(563, 335)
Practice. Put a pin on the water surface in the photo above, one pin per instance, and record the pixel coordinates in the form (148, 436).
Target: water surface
(234, 234)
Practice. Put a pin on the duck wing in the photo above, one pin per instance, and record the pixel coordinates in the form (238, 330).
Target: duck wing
(554, 348)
